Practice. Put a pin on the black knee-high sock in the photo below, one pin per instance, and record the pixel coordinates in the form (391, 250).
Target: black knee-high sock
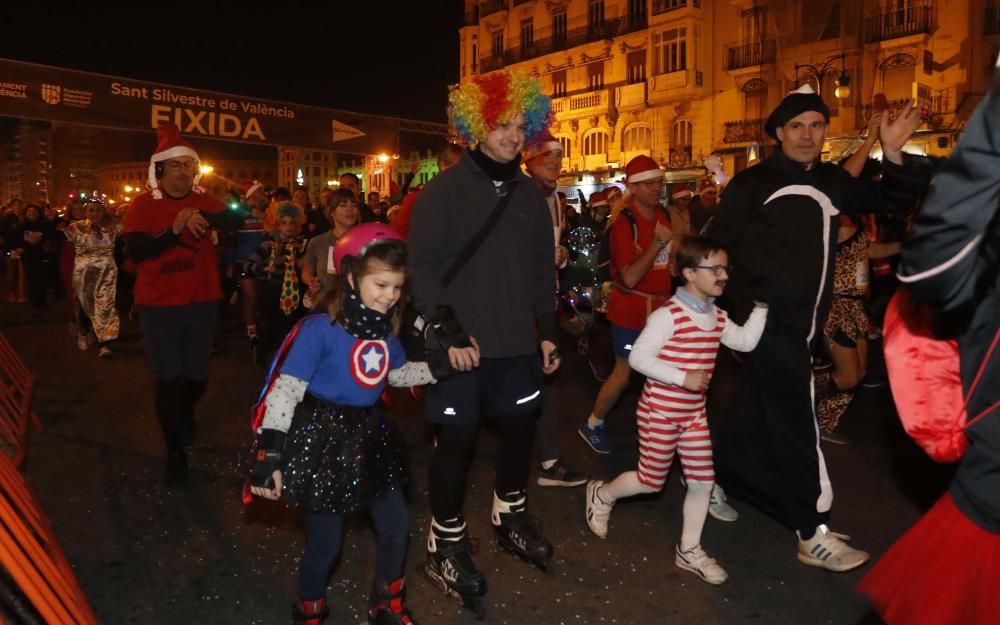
(194, 388)
(448, 469)
(517, 434)
(169, 411)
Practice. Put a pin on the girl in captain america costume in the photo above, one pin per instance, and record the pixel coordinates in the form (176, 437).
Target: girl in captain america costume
(322, 442)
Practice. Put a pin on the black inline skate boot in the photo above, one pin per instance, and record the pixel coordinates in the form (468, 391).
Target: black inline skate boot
(450, 567)
(518, 532)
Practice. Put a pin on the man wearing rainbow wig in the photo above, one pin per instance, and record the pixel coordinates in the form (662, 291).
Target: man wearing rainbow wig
(491, 314)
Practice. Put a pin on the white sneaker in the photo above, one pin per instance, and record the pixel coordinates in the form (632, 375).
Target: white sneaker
(828, 550)
(598, 512)
(701, 564)
(82, 342)
(719, 508)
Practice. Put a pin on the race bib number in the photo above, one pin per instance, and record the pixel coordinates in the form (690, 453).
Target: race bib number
(861, 274)
(663, 258)
(331, 266)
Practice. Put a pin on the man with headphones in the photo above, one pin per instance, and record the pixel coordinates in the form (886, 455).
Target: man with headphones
(177, 288)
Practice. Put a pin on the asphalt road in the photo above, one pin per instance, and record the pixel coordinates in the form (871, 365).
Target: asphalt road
(148, 555)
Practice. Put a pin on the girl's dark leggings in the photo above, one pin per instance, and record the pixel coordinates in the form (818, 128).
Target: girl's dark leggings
(325, 531)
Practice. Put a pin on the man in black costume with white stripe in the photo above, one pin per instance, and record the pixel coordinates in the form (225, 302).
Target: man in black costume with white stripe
(778, 220)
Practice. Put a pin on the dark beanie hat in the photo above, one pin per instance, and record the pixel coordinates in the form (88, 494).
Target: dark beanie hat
(795, 103)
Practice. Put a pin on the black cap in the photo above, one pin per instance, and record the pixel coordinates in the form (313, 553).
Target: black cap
(795, 103)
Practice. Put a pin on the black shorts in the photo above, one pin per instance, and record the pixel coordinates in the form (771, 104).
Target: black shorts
(498, 387)
(178, 339)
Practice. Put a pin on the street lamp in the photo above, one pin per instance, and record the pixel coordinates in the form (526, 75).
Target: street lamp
(206, 169)
(819, 72)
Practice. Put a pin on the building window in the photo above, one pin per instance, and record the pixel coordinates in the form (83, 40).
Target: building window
(898, 73)
(527, 33)
(567, 143)
(670, 50)
(498, 43)
(636, 67)
(595, 143)
(595, 15)
(637, 138)
(595, 75)
(475, 58)
(830, 11)
(559, 84)
(681, 144)
(559, 27)
(754, 24)
(754, 99)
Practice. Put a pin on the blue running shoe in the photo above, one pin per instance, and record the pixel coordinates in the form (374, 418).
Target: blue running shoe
(597, 438)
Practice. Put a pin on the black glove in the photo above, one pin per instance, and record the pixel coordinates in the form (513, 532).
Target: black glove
(444, 331)
(270, 446)
(439, 364)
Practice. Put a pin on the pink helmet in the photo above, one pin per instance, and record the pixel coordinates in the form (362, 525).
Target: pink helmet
(356, 241)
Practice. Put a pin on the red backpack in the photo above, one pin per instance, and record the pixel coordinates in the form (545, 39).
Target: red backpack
(925, 378)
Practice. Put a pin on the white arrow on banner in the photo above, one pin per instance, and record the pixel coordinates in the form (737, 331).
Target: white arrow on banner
(342, 131)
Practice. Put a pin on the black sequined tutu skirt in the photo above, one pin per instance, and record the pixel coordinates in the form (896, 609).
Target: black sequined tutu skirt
(339, 458)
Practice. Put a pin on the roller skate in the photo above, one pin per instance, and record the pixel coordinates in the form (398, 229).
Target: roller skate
(385, 604)
(518, 532)
(312, 612)
(450, 567)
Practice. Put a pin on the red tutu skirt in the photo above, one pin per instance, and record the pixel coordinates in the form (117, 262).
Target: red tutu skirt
(944, 571)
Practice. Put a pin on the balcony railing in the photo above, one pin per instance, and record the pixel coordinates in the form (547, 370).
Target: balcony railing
(992, 26)
(665, 6)
(913, 20)
(744, 131)
(750, 53)
(565, 40)
(581, 101)
(489, 7)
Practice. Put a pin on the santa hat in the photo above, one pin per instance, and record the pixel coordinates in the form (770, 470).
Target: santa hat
(680, 190)
(795, 103)
(169, 144)
(547, 144)
(598, 198)
(642, 168)
(707, 185)
(250, 187)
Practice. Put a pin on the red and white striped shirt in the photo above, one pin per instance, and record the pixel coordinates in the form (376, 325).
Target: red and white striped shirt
(677, 340)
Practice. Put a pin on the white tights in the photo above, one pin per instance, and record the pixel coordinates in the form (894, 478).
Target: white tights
(696, 503)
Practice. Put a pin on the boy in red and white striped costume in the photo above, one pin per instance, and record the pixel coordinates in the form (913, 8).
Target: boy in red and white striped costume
(676, 352)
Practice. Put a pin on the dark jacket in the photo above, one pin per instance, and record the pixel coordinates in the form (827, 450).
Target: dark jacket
(951, 261)
(769, 220)
(506, 288)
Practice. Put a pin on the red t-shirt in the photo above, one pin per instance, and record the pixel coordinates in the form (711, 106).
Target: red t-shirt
(629, 310)
(185, 273)
(401, 220)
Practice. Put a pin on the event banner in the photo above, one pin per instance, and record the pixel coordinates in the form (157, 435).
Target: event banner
(42, 92)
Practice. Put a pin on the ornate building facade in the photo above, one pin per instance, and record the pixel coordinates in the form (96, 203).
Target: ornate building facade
(682, 79)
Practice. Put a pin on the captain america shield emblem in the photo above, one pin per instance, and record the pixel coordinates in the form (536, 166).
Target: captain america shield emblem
(369, 362)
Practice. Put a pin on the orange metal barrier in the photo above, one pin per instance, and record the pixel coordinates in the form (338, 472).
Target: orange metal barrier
(29, 551)
(16, 385)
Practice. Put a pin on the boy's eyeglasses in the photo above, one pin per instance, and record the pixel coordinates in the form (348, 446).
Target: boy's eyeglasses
(716, 269)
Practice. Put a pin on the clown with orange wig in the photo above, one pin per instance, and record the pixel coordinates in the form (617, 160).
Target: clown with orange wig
(481, 259)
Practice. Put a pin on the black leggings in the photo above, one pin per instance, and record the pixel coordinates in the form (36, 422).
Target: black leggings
(454, 451)
(175, 401)
(325, 531)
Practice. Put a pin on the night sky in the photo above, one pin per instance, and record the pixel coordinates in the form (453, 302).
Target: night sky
(391, 58)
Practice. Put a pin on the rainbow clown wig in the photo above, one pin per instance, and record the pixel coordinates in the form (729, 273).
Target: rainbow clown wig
(480, 105)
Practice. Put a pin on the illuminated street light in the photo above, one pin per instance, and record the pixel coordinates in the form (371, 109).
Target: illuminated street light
(383, 158)
(206, 169)
(332, 183)
(129, 188)
(819, 72)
